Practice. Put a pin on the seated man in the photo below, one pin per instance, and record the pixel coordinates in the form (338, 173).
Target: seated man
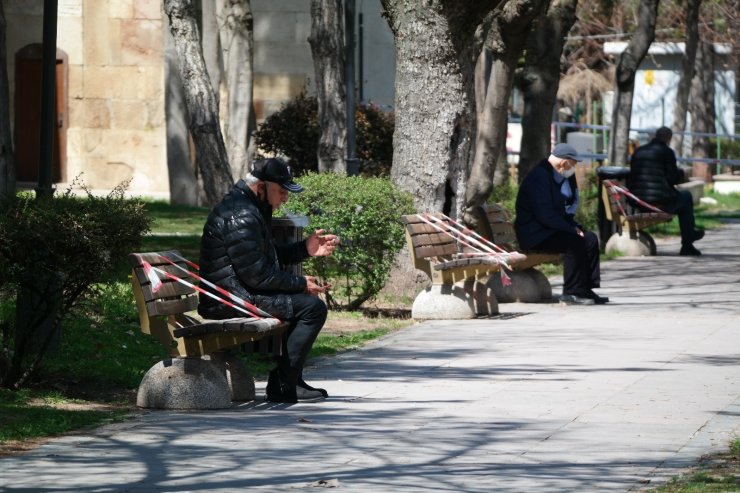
(545, 221)
(653, 176)
(238, 254)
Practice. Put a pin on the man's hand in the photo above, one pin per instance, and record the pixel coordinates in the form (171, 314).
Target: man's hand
(313, 288)
(320, 244)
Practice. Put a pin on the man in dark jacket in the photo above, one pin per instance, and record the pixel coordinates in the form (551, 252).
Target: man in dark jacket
(654, 176)
(238, 254)
(545, 221)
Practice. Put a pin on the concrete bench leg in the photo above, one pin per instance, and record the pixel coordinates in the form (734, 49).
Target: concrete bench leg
(184, 383)
(527, 286)
(468, 299)
(642, 245)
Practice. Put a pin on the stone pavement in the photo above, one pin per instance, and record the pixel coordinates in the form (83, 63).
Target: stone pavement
(544, 398)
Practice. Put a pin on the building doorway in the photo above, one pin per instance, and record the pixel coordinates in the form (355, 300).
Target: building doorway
(27, 127)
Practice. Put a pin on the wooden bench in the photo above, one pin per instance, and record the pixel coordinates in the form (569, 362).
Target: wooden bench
(444, 260)
(495, 224)
(203, 372)
(627, 217)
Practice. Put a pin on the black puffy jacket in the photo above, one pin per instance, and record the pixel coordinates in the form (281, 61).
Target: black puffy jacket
(238, 254)
(653, 173)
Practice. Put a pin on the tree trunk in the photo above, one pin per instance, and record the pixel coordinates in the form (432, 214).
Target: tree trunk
(629, 61)
(687, 73)
(210, 44)
(506, 39)
(184, 187)
(7, 161)
(237, 44)
(201, 102)
(327, 48)
(541, 80)
(703, 112)
(436, 50)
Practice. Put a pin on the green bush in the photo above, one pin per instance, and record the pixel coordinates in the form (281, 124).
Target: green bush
(51, 251)
(293, 132)
(365, 213)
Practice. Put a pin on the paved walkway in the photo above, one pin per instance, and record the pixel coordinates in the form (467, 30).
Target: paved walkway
(544, 398)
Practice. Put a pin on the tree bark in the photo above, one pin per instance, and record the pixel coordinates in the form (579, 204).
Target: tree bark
(687, 73)
(629, 61)
(201, 102)
(181, 170)
(7, 159)
(541, 80)
(702, 108)
(327, 48)
(506, 39)
(236, 27)
(436, 50)
(210, 43)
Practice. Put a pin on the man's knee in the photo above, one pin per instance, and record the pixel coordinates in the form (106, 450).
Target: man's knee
(309, 307)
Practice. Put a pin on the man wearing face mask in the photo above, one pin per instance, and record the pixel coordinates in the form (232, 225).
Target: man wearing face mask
(545, 222)
(238, 254)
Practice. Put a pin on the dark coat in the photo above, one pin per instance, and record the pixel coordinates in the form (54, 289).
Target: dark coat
(238, 254)
(540, 207)
(653, 173)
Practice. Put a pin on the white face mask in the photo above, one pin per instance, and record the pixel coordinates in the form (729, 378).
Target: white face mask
(569, 172)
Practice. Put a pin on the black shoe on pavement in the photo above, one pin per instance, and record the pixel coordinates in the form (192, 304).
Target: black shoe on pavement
(572, 299)
(278, 389)
(599, 300)
(302, 383)
(689, 250)
(304, 394)
(698, 234)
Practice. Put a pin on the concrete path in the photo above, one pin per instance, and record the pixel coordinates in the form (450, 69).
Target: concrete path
(543, 398)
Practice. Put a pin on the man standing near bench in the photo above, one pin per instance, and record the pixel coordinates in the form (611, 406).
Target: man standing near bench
(653, 177)
(238, 254)
(545, 221)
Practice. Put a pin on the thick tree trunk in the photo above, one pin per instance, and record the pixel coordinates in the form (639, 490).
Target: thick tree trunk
(541, 80)
(507, 38)
(703, 112)
(7, 161)
(236, 27)
(184, 187)
(629, 61)
(436, 50)
(687, 73)
(327, 48)
(201, 102)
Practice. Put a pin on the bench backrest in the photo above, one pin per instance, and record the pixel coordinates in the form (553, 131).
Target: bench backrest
(426, 242)
(163, 311)
(615, 203)
(494, 224)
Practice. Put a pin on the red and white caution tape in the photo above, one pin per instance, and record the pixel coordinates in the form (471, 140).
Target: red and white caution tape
(231, 296)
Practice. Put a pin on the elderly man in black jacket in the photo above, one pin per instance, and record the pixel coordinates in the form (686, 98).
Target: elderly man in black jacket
(654, 176)
(545, 221)
(238, 254)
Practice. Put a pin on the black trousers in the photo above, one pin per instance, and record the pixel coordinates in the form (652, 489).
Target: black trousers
(582, 271)
(309, 316)
(683, 207)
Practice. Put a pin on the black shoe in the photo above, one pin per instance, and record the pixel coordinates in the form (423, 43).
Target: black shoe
(689, 250)
(572, 299)
(304, 394)
(302, 383)
(278, 389)
(698, 234)
(599, 300)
